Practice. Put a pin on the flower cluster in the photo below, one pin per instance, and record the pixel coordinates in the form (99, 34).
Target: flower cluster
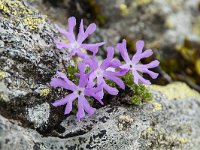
(93, 83)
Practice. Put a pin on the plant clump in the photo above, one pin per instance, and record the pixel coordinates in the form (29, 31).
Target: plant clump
(91, 79)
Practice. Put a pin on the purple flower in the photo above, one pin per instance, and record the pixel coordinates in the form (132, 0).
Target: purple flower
(106, 71)
(132, 65)
(77, 46)
(79, 92)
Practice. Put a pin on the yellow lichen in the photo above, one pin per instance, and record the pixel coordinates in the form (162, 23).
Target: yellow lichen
(4, 8)
(2, 75)
(21, 13)
(33, 22)
(4, 97)
(123, 9)
(157, 106)
(183, 140)
(149, 130)
(44, 92)
(176, 90)
(170, 22)
(14, 7)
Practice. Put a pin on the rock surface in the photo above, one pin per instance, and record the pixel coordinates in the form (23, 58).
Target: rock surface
(159, 124)
(28, 60)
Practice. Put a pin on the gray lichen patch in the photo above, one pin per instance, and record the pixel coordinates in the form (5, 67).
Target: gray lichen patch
(124, 122)
(1, 45)
(39, 114)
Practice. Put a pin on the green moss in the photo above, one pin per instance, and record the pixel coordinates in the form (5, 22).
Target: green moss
(111, 83)
(70, 73)
(140, 93)
(71, 70)
(75, 104)
(128, 79)
(135, 100)
(75, 107)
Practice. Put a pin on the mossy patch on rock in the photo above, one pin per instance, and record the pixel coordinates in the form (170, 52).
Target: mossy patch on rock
(71, 70)
(140, 92)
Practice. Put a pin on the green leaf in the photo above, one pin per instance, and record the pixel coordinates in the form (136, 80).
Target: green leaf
(140, 92)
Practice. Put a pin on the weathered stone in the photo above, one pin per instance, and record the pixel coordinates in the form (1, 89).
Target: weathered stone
(172, 125)
(28, 60)
(39, 114)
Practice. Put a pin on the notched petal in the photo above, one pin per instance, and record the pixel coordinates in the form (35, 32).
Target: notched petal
(90, 29)
(139, 46)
